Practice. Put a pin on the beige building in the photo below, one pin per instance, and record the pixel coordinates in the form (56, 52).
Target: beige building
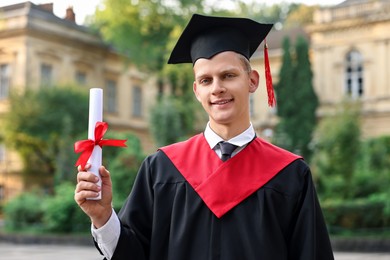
(350, 57)
(38, 48)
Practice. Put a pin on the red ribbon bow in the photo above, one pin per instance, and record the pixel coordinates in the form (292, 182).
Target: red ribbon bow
(86, 146)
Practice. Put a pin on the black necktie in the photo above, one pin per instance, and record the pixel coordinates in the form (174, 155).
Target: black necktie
(226, 150)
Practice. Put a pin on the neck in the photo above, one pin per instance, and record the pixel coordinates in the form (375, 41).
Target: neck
(227, 132)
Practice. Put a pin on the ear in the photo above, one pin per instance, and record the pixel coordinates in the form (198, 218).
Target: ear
(194, 88)
(254, 79)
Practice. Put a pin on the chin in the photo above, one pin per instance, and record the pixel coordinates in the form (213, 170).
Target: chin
(221, 121)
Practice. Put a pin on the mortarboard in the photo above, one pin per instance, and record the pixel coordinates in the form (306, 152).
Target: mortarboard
(206, 36)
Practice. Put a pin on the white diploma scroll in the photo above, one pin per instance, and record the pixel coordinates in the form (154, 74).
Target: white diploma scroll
(95, 115)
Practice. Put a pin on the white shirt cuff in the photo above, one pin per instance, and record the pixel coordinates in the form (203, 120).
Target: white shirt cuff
(107, 236)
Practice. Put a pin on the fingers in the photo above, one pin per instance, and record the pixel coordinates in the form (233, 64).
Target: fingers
(82, 196)
(84, 175)
(87, 176)
(104, 173)
(87, 167)
(86, 188)
(86, 185)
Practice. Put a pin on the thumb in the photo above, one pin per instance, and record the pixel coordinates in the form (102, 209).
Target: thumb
(104, 174)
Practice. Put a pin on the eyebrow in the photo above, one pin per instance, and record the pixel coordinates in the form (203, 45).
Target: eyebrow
(224, 71)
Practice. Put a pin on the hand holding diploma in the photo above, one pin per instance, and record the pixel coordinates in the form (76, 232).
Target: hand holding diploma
(93, 179)
(87, 187)
(91, 149)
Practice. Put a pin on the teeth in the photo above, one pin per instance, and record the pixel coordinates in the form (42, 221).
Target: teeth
(222, 102)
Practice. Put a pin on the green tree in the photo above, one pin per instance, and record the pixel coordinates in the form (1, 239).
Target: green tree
(166, 125)
(142, 29)
(297, 101)
(138, 29)
(42, 126)
(306, 100)
(123, 164)
(285, 95)
(300, 15)
(337, 146)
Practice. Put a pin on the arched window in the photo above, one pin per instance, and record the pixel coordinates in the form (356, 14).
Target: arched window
(354, 83)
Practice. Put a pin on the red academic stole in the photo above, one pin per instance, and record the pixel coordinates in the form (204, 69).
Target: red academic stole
(223, 185)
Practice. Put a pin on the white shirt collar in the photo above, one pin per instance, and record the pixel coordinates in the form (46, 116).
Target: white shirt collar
(240, 140)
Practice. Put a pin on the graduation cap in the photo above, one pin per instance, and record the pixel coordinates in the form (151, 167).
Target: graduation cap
(206, 36)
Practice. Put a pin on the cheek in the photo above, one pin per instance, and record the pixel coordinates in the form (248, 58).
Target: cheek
(198, 96)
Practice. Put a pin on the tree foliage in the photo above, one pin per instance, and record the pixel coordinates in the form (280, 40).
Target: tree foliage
(24, 212)
(300, 15)
(337, 146)
(297, 101)
(305, 116)
(42, 126)
(352, 174)
(33, 211)
(284, 88)
(123, 164)
(141, 28)
(136, 29)
(62, 214)
(166, 124)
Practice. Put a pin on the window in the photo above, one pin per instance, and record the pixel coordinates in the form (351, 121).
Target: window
(354, 84)
(137, 101)
(81, 78)
(4, 81)
(46, 75)
(111, 96)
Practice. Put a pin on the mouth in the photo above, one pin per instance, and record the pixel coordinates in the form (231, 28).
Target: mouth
(221, 102)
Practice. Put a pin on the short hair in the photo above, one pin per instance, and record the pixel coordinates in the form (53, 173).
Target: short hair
(245, 63)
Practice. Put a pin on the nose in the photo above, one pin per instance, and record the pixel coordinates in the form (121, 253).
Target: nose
(217, 87)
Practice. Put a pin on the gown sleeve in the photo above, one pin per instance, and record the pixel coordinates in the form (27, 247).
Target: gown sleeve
(135, 217)
(309, 237)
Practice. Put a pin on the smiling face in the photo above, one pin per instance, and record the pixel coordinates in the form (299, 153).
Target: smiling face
(222, 85)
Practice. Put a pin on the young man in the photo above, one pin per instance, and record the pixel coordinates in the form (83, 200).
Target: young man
(195, 200)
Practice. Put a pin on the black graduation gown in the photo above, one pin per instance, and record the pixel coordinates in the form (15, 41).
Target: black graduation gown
(165, 218)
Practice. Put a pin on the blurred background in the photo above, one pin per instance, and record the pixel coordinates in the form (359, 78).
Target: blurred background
(330, 67)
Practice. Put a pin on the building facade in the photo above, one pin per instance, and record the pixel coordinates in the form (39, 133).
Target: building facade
(350, 58)
(39, 49)
(350, 43)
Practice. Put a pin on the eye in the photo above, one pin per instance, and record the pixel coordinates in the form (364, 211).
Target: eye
(229, 75)
(205, 81)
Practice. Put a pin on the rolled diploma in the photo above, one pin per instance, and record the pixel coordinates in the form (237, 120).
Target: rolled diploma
(95, 115)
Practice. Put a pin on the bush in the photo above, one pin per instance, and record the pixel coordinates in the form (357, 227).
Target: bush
(24, 212)
(62, 213)
(372, 168)
(337, 147)
(358, 214)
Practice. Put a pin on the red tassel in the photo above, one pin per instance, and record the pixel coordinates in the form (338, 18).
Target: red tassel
(268, 78)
